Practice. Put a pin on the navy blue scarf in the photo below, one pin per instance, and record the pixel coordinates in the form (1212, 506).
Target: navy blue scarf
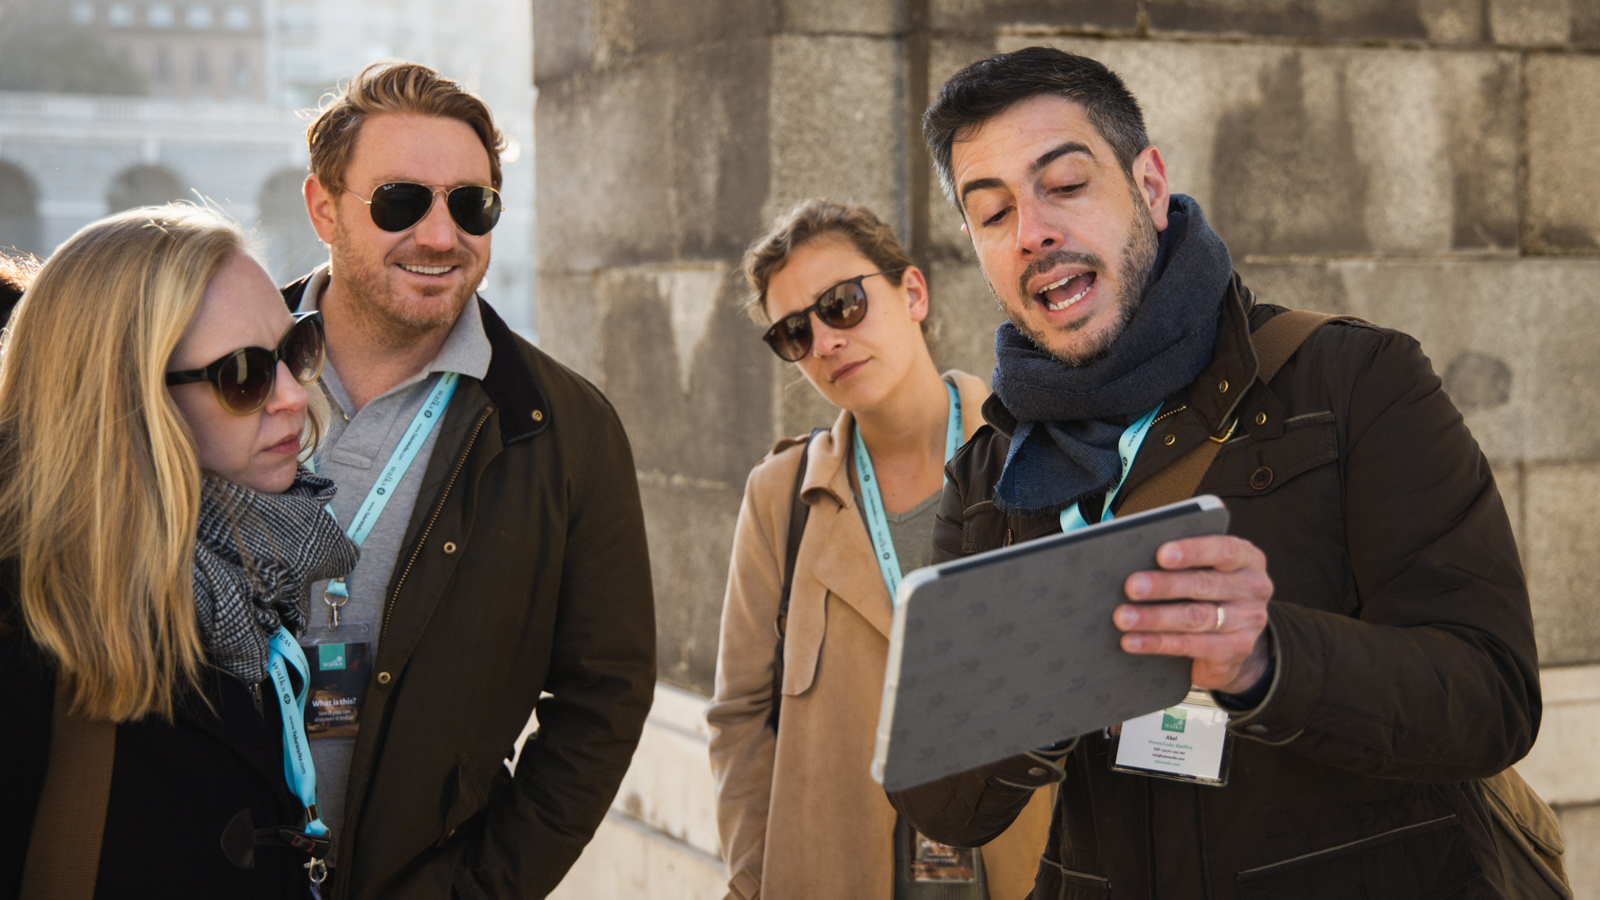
(1070, 418)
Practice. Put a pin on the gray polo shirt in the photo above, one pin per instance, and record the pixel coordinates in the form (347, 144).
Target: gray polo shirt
(353, 453)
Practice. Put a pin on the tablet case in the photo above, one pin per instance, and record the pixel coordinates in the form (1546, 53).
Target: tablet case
(1002, 652)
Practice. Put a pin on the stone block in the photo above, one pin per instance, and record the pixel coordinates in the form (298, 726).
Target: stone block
(1317, 150)
(800, 406)
(1508, 479)
(664, 158)
(690, 527)
(836, 128)
(965, 315)
(987, 16)
(1559, 767)
(1580, 830)
(669, 787)
(576, 36)
(1562, 530)
(1563, 113)
(944, 240)
(882, 18)
(629, 861)
(1442, 21)
(1513, 340)
(684, 367)
(1532, 22)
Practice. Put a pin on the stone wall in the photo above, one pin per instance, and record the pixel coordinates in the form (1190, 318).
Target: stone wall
(1430, 165)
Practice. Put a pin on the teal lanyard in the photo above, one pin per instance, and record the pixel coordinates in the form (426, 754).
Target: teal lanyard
(297, 767)
(400, 460)
(872, 501)
(1127, 449)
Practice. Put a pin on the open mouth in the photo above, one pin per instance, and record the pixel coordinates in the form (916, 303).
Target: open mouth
(426, 270)
(1062, 294)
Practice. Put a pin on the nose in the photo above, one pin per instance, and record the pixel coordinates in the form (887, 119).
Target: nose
(288, 395)
(825, 339)
(1037, 231)
(437, 230)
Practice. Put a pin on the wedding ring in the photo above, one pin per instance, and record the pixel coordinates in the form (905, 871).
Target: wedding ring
(1221, 617)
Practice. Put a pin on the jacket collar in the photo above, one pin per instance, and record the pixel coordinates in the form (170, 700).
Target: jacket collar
(1217, 392)
(523, 409)
(826, 468)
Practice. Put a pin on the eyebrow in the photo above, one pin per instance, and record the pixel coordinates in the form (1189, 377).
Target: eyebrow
(1050, 156)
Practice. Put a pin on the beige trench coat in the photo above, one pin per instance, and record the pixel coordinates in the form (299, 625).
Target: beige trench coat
(799, 814)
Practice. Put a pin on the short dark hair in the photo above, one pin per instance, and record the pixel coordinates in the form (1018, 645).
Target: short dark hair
(989, 87)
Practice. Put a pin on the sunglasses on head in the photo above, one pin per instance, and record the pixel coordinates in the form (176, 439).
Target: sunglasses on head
(245, 378)
(842, 306)
(399, 205)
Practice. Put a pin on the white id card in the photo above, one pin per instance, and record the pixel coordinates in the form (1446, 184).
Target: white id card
(1188, 742)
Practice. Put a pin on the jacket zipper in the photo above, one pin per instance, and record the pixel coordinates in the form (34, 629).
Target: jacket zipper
(388, 610)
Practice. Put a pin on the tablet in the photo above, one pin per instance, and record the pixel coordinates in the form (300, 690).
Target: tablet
(998, 653)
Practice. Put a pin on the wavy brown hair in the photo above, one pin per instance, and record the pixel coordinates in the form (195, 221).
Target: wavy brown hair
(393, 87)
(99, 482)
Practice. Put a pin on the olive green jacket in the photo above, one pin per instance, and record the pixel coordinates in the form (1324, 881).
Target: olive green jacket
(1406, 667)
(523, 575)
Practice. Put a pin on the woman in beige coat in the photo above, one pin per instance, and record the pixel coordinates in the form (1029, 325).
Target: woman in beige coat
(799, 813)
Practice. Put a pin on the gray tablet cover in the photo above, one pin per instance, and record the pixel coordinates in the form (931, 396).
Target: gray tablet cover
(1001, 652)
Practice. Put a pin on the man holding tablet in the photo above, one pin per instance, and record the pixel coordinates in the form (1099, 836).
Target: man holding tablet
(1364, 629)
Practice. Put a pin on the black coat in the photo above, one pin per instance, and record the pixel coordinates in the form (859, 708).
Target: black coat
(1406, 667)
(174, 786)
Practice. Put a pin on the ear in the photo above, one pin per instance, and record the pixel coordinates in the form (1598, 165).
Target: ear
(1150, 178)
(915, 284)
(322, 207)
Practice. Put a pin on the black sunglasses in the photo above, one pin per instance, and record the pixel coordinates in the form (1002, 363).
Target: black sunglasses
(842, 306)
(399, 205)
(244, 379)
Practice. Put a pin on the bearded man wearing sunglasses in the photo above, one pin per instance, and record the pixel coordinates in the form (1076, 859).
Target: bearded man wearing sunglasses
(493, 494)
(1363, 633)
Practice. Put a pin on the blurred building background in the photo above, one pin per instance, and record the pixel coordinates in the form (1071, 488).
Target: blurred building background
(110, 104)
(1429, 165)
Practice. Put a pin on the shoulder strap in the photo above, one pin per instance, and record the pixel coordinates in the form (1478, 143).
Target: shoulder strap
(799, 511)
(64, 852)
(1274, 343)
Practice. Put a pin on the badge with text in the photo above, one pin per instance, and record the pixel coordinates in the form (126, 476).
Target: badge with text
(932, 861)
(340, 664)
(1188, 742)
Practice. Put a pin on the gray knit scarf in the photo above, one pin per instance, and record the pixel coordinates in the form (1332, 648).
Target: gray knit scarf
(1070, 418)
(255, 558)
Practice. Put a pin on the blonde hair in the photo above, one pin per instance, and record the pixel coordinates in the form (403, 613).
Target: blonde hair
(393, 87)
(99, 481)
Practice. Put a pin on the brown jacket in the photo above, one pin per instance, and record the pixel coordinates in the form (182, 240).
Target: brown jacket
(1406, 666)
(524, 571)
(800, 816)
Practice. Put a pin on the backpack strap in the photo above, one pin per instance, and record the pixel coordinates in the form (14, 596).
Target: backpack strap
(799, 511)
(64, 851)
(1274, 343)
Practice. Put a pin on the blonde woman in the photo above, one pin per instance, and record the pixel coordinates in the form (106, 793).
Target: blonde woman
(159, 540)
(798, 811)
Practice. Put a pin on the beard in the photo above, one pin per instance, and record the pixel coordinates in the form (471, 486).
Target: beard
(1134, 275)
(374, 304)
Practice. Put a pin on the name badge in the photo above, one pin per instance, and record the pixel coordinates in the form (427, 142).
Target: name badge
(1188, 742)
(934, 862)
(341, 663)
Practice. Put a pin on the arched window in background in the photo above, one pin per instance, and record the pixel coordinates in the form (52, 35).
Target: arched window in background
(289, 246)
(143, 186)
(19, 211)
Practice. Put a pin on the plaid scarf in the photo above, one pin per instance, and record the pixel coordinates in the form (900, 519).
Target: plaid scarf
(255, 558)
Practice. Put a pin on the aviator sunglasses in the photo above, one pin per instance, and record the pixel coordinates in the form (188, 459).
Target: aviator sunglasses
(399, 205)
(842, 306)
(244, 379)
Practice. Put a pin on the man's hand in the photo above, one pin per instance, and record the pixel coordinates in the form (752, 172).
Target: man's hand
(1223, 629)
